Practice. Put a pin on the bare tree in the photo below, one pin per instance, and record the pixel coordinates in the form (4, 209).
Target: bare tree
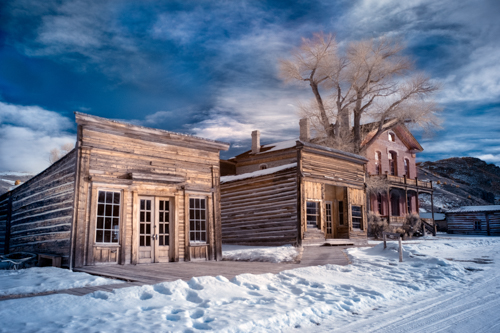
(369, 81)
(57, 153)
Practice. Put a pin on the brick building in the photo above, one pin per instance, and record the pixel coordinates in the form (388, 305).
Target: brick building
(392, 156)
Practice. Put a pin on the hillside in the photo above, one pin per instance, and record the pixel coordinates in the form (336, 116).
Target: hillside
(8, 179)
(460, 181)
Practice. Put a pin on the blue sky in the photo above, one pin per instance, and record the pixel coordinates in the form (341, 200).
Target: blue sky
(210, 68)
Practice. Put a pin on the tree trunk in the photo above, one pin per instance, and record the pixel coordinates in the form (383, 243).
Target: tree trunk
(324, 118)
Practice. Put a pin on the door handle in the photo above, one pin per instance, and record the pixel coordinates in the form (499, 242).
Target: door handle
(156, 236)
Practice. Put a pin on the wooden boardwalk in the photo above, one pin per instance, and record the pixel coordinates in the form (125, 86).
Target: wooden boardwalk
(138, 275)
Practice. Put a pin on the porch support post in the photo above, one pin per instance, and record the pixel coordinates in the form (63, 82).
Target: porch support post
(389, 210)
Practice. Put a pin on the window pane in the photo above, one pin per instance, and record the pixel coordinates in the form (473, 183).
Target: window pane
(160, 241)
(148, 229)
(197, 214)
(109, 197)
(116, 210)
(167, 228)
(100, 222)
(203, 236)
(115, 223)
(101, 196)
(141, 217)
(191, 236)
(142, 241)
(191, 225)
(191, 214)
(167, 240)
(167, 217)
(160, 215)
(148, 241)
(148, 216)
(202, 203)
(142, 228)
(100, 209)
(202, 214)
(116, 198)
(161, 204)
(108, 210)
(115, 234)
(99, 235)
(143, 204)
(107, 223)
(167, 205)
(148, 204)
(107, 236)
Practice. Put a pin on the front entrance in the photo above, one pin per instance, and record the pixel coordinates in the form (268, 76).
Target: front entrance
(154, 229)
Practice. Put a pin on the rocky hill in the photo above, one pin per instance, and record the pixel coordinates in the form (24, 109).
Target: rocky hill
(8, 180)
(460, 181)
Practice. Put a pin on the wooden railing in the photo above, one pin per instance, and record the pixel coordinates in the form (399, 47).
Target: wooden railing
(405, 181)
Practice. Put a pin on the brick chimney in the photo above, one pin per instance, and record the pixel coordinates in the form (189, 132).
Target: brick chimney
(305, 129)
(255, 142)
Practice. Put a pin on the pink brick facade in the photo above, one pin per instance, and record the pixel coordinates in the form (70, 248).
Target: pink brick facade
(384, 146)
(398, 204)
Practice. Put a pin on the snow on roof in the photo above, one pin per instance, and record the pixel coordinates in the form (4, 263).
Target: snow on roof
(280, 145)
(437, 216)
(257, 173)
(465, 209)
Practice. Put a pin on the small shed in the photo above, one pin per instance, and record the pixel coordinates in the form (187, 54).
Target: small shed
(474, 220)
(126, 194)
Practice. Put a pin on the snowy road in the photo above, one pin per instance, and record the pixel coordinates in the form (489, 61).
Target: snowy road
(457, 307)
(448, 284)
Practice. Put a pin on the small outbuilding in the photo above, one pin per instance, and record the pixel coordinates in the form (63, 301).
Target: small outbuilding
(126, 194)
(474, 220)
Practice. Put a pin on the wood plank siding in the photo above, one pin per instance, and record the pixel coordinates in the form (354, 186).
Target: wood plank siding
(474, 223)
(334, 176)
(140, 162)
(42, 210)
(260, 210)
(4, 222)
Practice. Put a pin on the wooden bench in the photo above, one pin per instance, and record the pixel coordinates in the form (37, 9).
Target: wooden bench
(45, 259)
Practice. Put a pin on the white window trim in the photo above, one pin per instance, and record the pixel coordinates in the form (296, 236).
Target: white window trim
(120, 217)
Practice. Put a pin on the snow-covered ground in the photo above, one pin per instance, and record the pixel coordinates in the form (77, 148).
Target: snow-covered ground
(449, 284)
(42, 279)
(276, 254)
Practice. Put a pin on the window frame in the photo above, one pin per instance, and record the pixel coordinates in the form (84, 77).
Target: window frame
(194, 220)
(113, 231)
(477, 225)
(392, 137)
(393, 163)
(317, 213)
(360, 217)
(329, 217)
(378, 163)
(407, 167)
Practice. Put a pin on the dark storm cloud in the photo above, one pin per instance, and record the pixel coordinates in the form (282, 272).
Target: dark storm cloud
(210, 68)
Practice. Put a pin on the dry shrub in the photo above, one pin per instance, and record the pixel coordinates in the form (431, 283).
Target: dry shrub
(438, 182)
(376, 225)
(412, 224)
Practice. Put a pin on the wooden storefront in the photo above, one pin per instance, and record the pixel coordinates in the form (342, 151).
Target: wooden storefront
(126, 195)
(309, 188)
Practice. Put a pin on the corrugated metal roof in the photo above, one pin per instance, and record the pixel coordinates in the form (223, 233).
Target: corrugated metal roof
(467, 209)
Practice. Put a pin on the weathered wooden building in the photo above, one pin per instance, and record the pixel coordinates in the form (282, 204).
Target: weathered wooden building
(125, 195)
(291, 191)
(474, 220)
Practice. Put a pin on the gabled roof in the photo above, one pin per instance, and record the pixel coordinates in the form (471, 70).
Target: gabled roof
(400, 130)
(475, 209)
(269, 148)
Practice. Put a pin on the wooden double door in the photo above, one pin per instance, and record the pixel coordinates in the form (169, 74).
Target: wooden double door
(155, 229)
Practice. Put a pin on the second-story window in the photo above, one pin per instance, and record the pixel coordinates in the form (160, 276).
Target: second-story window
(392, 137)
(393, 167)
(407, 168)
(378, 163)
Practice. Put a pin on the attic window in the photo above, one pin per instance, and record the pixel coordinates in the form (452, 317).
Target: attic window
(392, 137)
(263, 166)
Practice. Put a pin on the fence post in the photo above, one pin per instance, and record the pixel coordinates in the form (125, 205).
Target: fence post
(385, 241)
(400, 250)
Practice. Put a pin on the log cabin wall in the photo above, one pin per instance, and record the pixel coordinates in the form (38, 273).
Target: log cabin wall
(474, 223)
(42, 211)
(253, 162)
(5, 206)
(260, 210)
(143, 169)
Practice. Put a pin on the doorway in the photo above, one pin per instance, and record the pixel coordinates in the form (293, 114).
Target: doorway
(155, 216)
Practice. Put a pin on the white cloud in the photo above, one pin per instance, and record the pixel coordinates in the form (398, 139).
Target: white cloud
(28, 134)
(490, 158)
